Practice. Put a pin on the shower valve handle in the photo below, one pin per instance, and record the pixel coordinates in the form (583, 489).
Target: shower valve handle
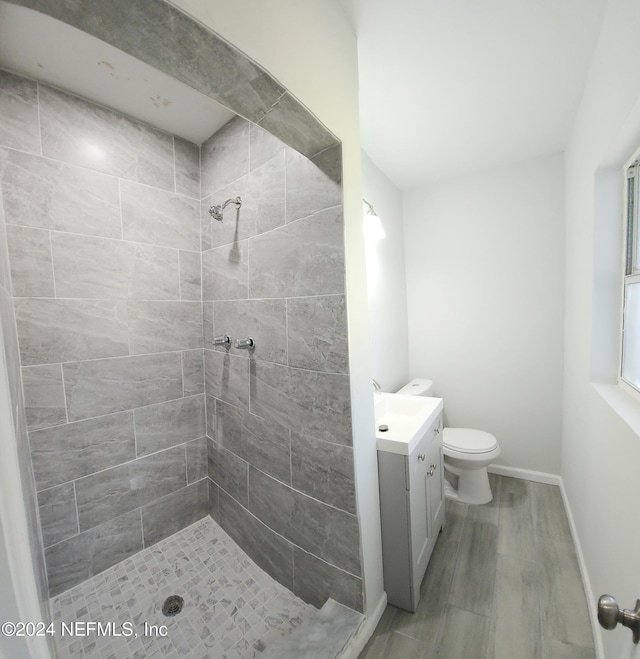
(247, 343)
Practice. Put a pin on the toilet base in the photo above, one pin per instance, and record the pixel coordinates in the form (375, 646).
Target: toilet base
(473, 485)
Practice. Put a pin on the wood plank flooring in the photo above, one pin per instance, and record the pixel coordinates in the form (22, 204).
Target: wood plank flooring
(503, 583)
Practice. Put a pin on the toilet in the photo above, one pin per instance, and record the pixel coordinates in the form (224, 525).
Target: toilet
(467, 453)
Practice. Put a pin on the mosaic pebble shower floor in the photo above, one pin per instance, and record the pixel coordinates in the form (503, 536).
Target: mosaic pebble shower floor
(232, 608)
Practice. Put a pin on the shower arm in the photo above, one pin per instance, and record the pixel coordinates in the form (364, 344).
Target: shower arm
(217, 211)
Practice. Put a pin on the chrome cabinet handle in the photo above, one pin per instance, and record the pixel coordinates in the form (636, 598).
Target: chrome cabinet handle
(422, 457)
(436, 431)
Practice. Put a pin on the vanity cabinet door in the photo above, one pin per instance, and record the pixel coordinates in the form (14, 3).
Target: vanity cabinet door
(436, 485)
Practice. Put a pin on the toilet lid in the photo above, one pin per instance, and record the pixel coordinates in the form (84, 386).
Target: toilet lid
(467, 440)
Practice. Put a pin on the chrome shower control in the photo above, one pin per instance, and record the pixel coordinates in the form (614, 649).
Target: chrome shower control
(223, 340)
(247, 343)
(610, 614)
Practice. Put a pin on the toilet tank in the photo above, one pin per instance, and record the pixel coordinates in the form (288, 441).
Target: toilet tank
(417, 387)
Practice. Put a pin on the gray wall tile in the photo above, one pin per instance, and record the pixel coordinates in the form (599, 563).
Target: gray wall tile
(227, 378)
(109, 493)
(190, 275)
(121, 146)
(160, 326)
(291, 121)
(323, 471)
(67, 452)
(58, 515)
(269, 550)
(87, 554)
(44, 402)
(168, 424)
(70, 330)
(31, 262)
(301, 258)
(263, 146)
(19, 127)
(317, 402)
(102, 386)
(210, 404)
(225, 272)
(315, 581)
(330, 162)
(48, 194)
(207, 324)
(309, 189)
(187, 165)
(174, 512)
(197, 460)
(267, 186)
(225, 156)
(317, 333)
(158, 217)
(193, 372)
(264, 444)
(326, 532)
(214, 510)
(88, 267)
(264, 320)
(229, 472)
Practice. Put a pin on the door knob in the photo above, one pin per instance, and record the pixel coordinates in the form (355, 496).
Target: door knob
(610, 614)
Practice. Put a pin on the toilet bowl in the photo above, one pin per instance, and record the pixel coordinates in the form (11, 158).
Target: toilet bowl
(467, 453)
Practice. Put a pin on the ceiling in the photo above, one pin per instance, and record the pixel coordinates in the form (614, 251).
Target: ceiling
(38, 46)
(449, 87)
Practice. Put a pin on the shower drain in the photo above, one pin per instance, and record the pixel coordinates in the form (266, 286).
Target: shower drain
(172, 605)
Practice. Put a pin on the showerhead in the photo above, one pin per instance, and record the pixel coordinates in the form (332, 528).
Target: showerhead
(217, 211)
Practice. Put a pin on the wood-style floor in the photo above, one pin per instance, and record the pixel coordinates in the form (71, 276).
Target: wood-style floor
(503, 583)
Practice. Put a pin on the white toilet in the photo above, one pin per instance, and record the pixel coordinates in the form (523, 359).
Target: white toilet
(467, 453)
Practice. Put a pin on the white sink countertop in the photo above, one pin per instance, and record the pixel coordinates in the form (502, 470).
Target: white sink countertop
(408, 418)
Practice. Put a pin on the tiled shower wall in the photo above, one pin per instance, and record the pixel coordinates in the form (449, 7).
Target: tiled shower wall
(103, 231)
(278, 417)
(105, 237)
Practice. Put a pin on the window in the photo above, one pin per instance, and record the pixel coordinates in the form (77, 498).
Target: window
(630, 362)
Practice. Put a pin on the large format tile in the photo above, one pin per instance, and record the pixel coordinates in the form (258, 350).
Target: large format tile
(67, 452)
(87, 554)
(53, 331)
(267, 186)
(173, 512)
(109, 385)
(190, 275)
(197, 460)
(158, 217)
(315, 581)
(317, 333)
(225, 156)
(168, 424)
(263, 146)
(269, 550)
(31, 262)
(515, 533)
(88, 267)
(109, 493)
(225, 272)
(549, 516)
(317, 402)
(263, 320)
(262, 443)
(465, 636)
(229, 471)
(302, 258)
(164, 325)
(187, 164)
(19, 126)
(309, 189)
(327, 532)
(227, 378)
(44, 401)
(117, 145)
(58, 515)
(193, 372)
(555, 649)
(47, 194)
(323, 471)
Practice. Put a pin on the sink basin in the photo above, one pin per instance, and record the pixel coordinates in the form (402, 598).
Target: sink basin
(406, 417)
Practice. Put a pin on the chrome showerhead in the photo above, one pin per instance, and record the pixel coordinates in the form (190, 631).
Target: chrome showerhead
(216, 212)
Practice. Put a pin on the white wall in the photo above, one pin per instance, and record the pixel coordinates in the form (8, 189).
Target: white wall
(311, 49)
(600, 451)
(387, 289)
(484, 262)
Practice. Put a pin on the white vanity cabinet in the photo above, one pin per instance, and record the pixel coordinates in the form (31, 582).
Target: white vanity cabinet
(412, 514)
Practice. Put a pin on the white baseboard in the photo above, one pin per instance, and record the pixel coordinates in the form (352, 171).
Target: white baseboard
(357, 642)
(554, 479)
(525, 474)
(586, 582)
